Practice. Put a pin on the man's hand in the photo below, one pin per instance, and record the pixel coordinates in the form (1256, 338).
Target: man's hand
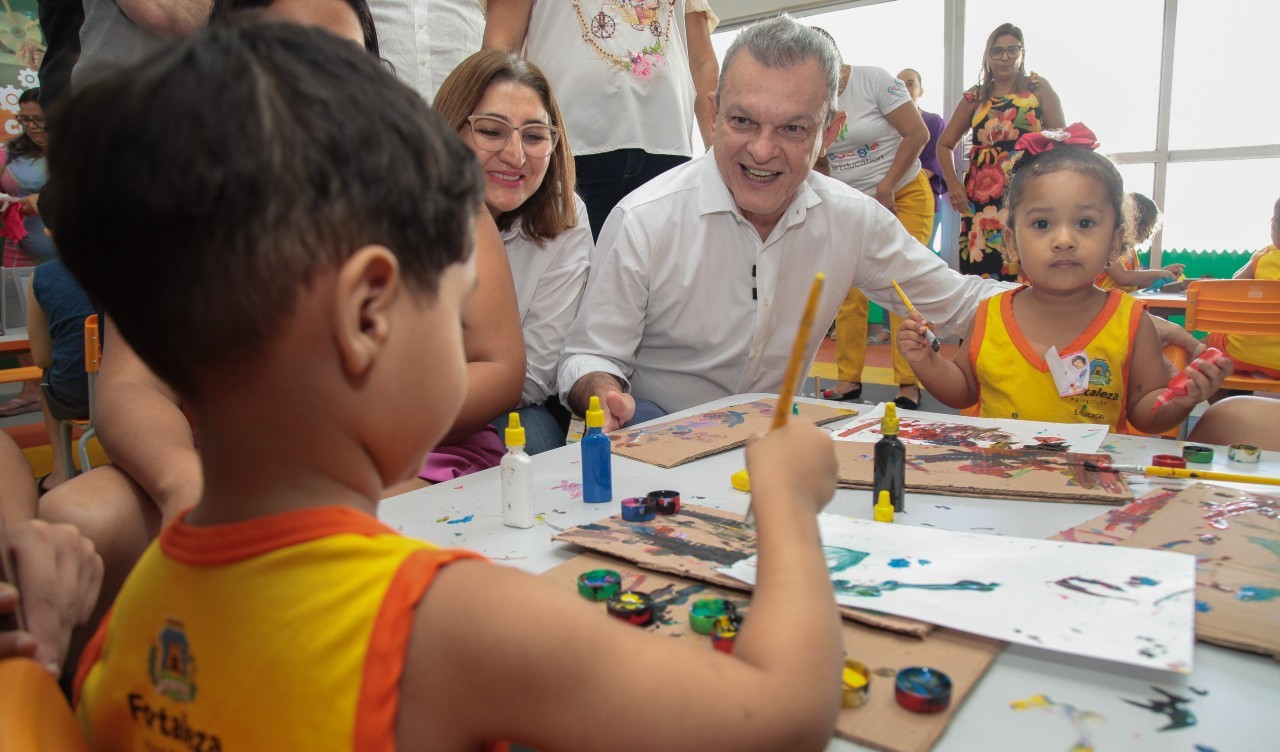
(619, 407)
(60, 573)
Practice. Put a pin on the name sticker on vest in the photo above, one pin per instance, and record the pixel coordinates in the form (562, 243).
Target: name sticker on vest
(1070, 371)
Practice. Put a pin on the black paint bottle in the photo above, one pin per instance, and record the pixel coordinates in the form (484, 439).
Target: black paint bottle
(890, 460)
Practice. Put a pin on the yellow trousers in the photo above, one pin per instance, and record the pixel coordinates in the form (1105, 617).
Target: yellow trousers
(915, 211)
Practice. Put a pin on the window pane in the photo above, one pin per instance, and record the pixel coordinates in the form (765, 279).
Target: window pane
(1224, 206)
(1212, 43)
(1113, 88)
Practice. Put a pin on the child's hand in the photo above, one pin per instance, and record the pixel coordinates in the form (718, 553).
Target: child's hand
(1175, 269)
(798, 459)
(912, 341)
(1204, 378)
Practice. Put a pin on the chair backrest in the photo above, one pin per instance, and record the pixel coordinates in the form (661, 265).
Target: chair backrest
(34, 714)
(92, 345)
(1234, 306)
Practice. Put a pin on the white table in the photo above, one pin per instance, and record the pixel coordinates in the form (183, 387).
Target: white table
(1243, 689)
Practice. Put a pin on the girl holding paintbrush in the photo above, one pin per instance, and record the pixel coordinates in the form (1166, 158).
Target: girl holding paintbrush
(1065, 224)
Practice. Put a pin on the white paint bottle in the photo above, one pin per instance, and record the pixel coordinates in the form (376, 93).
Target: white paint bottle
(517, 478)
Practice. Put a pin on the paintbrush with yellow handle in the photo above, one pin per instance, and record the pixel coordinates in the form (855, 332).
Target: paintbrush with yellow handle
(1179, 472)
(935, 344)
(791, 380)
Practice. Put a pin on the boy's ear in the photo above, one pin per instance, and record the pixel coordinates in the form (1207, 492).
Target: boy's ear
(1117, 243)
(1010, 245)
(367, 286)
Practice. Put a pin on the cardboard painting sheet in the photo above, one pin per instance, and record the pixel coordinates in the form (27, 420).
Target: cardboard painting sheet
(695, 543)
(880, 723)
(920, 427)
(1117, 604)
(1235, 537)
(992, 473)
(675, 442)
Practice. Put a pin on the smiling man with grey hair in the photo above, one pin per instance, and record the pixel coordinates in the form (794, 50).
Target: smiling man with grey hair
(698, 278)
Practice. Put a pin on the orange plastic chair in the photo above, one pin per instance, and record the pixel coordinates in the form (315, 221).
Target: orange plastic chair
(34, 714)
(1236, 306)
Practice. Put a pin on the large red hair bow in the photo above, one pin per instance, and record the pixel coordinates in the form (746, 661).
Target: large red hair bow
(1076, 134)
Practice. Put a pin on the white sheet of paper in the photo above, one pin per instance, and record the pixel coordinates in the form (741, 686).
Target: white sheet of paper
(920, 427)
(1128, 605)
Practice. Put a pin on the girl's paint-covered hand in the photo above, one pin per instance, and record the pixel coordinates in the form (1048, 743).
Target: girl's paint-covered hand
(1204, 379)
(1175, 269)
(913, 343)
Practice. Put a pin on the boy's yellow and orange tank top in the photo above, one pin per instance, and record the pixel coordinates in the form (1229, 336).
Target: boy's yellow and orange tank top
(287, 632)
(1014, 381)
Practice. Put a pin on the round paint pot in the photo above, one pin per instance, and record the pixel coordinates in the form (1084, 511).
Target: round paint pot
(638, 509)
(1244, 453)
(704, 612)
(921, 689)
(856, 682)
(668, 502)
(632, 607)
(1168, 460)
(1199, 454)
(725, 631)
(599, 584)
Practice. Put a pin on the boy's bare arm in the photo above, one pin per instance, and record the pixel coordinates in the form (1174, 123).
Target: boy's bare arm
(952, 383)
(498, 654)
(506, 24)
(1138, 277)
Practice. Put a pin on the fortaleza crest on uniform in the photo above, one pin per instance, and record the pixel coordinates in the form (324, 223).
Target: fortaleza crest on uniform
(1099, 373)
(171, 665)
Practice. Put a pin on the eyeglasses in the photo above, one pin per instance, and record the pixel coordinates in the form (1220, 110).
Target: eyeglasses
(1012, 51)
(492, 134)
(30, 122)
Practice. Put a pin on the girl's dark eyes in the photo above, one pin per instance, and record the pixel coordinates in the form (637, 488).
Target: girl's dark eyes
(1040, 224)
(1085, 224)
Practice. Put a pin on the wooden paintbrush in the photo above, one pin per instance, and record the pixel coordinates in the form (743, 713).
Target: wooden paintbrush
(791, 380)
(935, 344)
(1179, 472)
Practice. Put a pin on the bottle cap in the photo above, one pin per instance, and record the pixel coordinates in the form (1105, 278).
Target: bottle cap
(884, 509)
(594, 416)
(515, 431)
(889, 426)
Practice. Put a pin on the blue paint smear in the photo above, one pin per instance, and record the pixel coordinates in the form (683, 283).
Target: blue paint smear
(1203, 607)
(1258, 594)
(899, 563)
(922, 562)
(460, 520)
(1143, 581)
(840, 559)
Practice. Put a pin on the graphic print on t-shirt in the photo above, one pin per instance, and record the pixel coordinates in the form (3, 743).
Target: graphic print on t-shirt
(630, 35)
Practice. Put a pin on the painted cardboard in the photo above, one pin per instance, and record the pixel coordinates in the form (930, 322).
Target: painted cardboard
(880, 723)
(1235, 536)
(675, 442)
(695, 543)
(992, 473)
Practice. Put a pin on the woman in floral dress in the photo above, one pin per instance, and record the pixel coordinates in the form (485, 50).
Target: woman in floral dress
(1004, 105)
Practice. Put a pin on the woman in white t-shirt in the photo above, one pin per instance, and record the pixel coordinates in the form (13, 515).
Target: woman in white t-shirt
(878, 152)
(503, 108)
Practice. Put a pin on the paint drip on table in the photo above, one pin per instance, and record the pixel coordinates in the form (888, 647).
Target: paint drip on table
(1080, 720)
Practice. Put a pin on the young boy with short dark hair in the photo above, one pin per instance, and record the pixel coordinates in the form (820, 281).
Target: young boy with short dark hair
(283, 233)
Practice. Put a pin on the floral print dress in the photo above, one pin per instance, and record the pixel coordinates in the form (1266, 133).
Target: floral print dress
(997, 124)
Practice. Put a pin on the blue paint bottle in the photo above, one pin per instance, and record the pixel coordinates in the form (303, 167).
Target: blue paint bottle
(597, 479)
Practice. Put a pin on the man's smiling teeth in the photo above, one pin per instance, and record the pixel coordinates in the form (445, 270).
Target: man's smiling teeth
(760, 173)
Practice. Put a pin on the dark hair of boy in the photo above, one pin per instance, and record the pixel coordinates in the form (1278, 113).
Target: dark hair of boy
(196, 241)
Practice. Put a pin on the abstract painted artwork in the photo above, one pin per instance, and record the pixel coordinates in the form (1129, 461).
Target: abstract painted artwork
(919, 427)
(1235, 537)
(696, 543)
(993, 473)
(675, 442)
(1118, 604)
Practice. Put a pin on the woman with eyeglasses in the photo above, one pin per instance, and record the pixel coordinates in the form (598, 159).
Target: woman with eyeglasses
(25, 243)
(503, 108)
(1006, 103)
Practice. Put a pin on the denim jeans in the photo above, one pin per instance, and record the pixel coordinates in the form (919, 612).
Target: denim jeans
(542, 432)
(603, 179)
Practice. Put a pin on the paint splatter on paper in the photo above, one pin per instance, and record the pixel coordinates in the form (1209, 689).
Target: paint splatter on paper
(461, 520)
(919, 427)
(1169, 705)
(1094, 601)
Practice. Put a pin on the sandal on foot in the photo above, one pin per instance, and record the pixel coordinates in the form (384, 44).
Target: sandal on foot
(18, 406)
(852, 394)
